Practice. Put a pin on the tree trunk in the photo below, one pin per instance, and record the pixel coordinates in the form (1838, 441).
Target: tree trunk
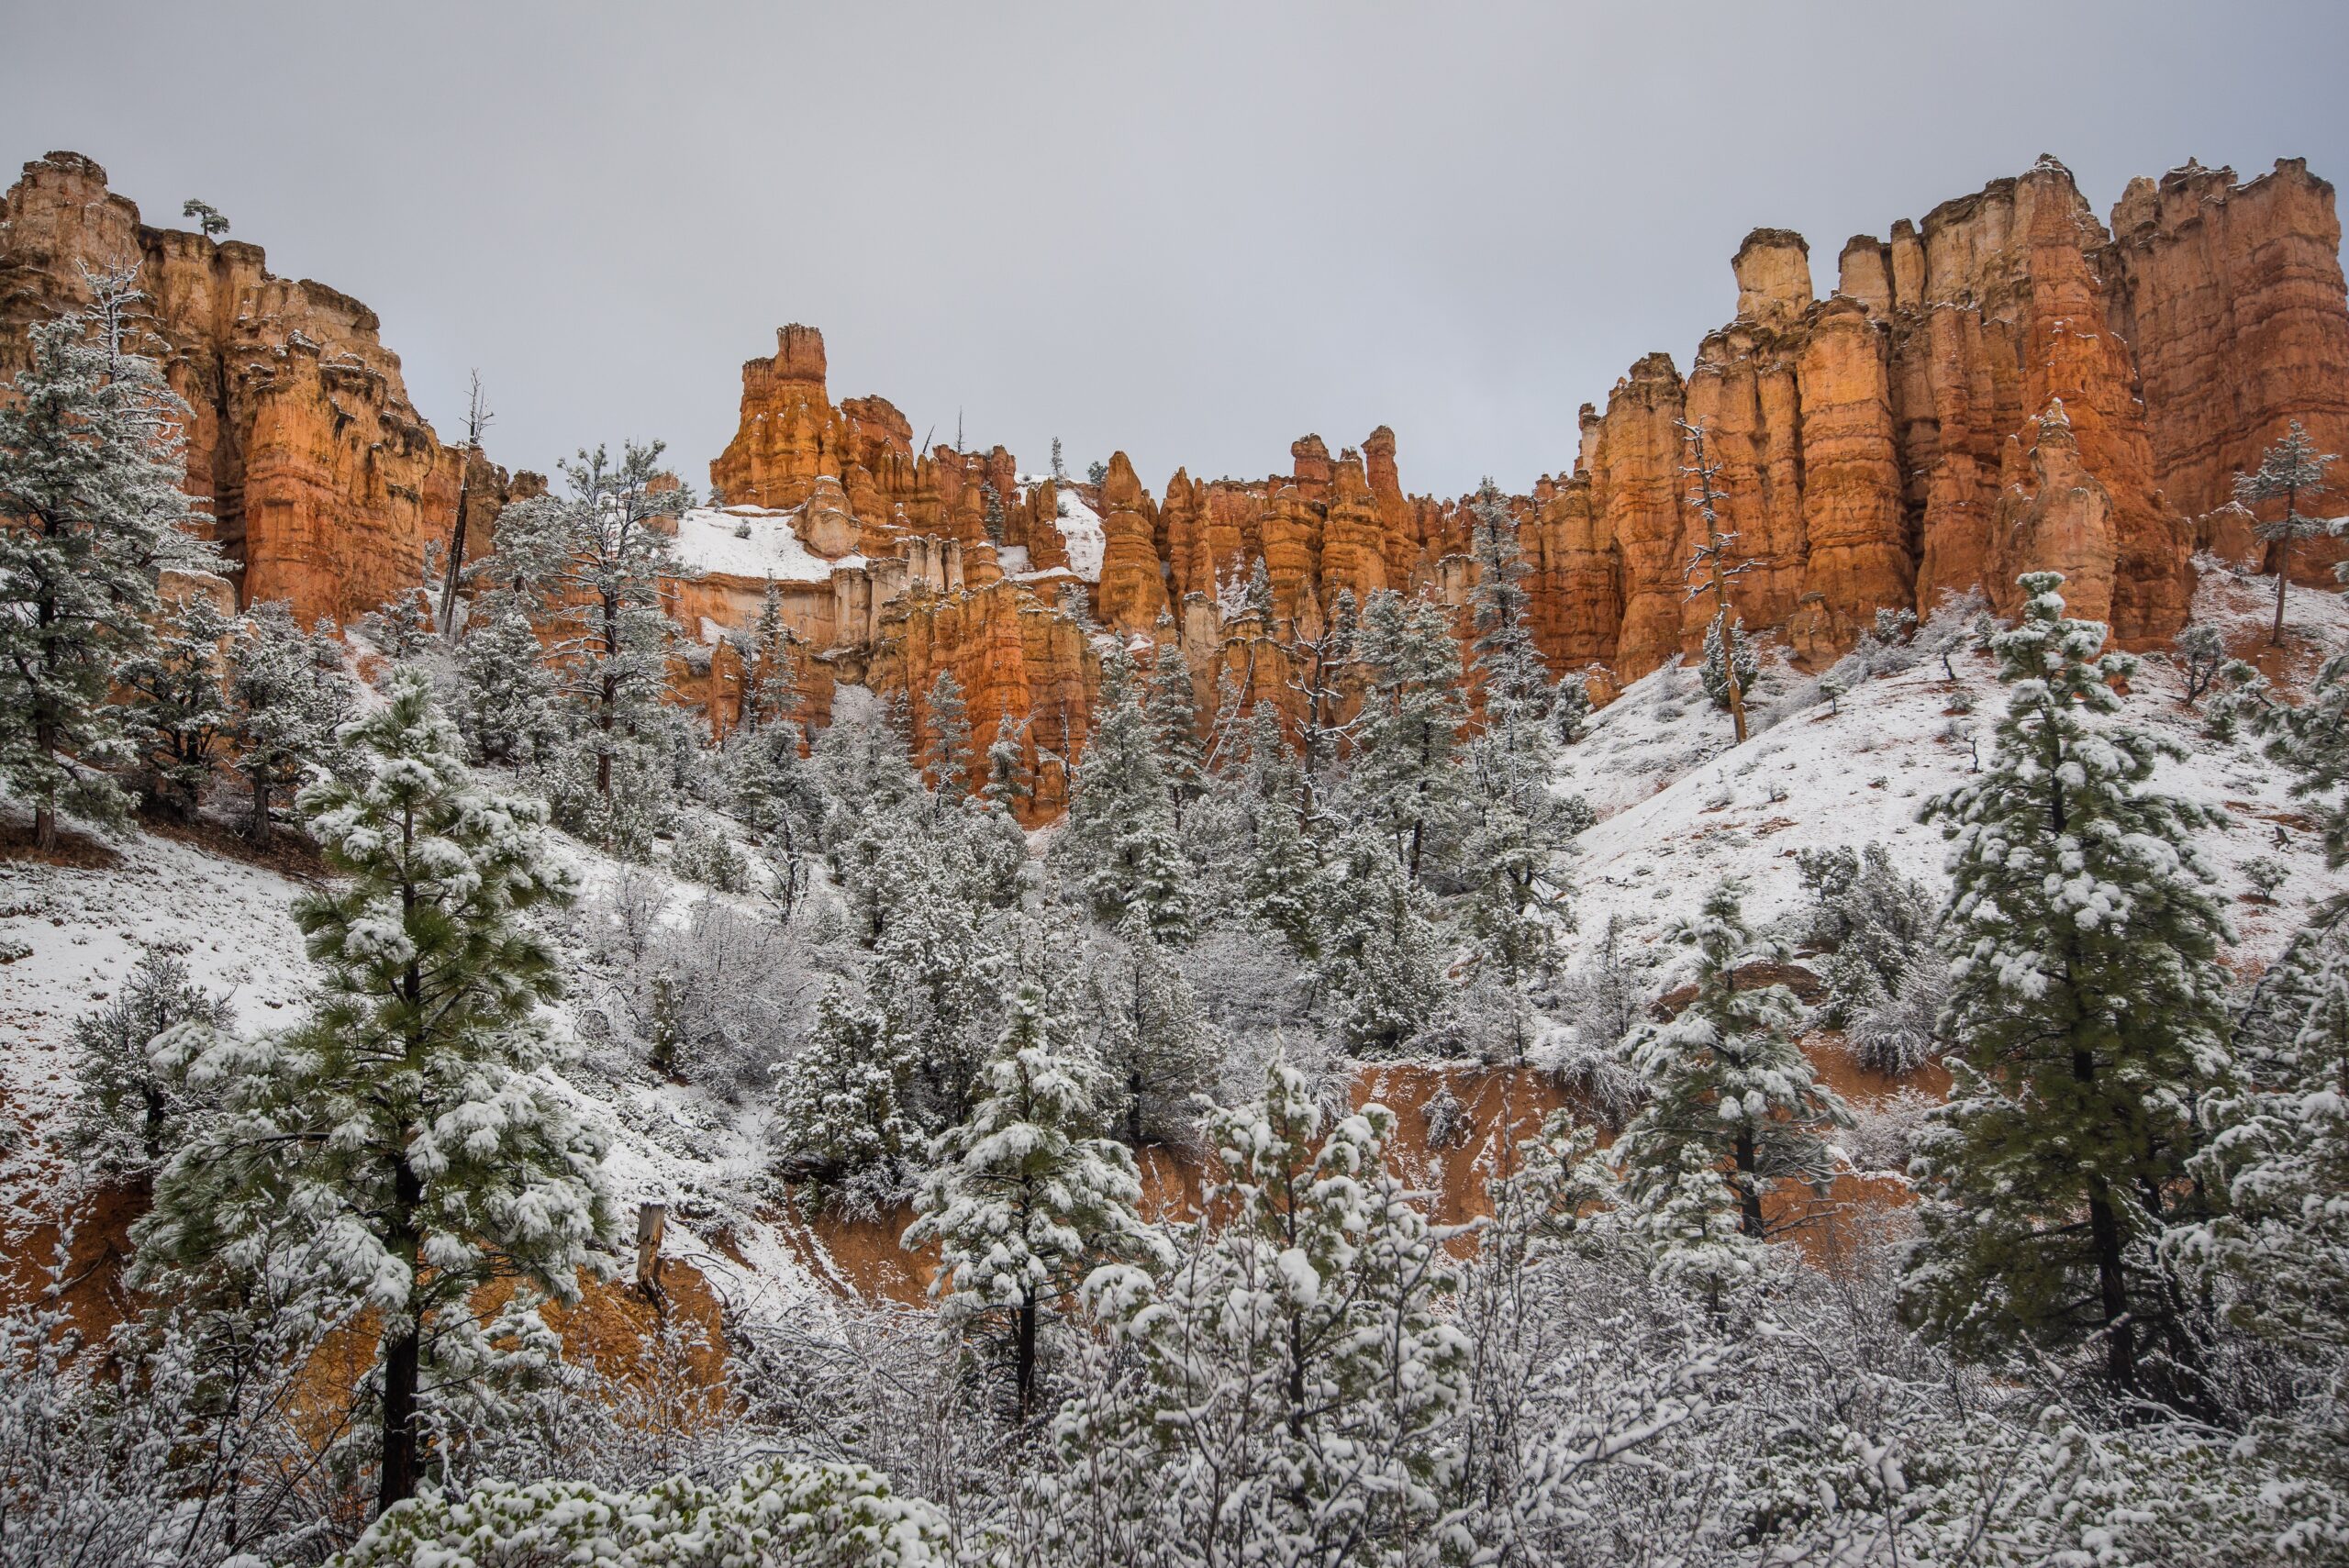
(1024, 1371)
(403, 1349)
(456, 554)
(1748, 1191)
(259, 831)
(2112, 1295)
(2283, 575)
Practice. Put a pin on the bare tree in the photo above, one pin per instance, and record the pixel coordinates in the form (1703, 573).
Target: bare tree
(477, 418)
(1716, 559)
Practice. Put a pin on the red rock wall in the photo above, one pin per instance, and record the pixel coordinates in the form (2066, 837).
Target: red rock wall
(325, 484)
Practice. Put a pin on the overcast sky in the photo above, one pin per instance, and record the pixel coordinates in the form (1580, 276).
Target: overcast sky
(1192, 231)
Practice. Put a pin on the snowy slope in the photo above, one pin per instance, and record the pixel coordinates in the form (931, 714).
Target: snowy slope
(1680, 807)
(77, 930)
(754, 542)
(1080, 528)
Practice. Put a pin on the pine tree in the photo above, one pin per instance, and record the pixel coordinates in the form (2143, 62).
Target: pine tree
(1728, 665)
(591, 563)
(1008, 781)
(946, 760)
(1509, 670)
(1294, 1371)
(1282, 873)
(1378, 945)
(1406, 777)
(93, 458)
(2312, 741)
(1120, 842)
(1024, 1196)
(1718, 666)
(2086, 1013)
(1733, 1113)
(1173, 711)
(771, 691)
(131, 1109)
(2287, 472)
(1153, 1040)
(287, 702)
(181, 716)
(840, 1103)
(408, 1118)
(506, 694)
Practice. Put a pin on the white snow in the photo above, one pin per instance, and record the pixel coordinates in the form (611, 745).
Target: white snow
(1081, 532)
(754, 542)
(1013, 559)
(1680, 807)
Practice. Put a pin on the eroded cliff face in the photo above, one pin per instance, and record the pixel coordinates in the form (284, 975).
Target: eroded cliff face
(2006, 384)
(325, 486)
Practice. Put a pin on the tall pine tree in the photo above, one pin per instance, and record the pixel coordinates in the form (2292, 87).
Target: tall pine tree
(407, 1119)
(2086, 1011)
(93, 458)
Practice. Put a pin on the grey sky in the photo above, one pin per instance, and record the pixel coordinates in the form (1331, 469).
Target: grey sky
(1193, 231)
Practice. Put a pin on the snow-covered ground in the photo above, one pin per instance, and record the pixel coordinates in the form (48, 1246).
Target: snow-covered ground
(754, 542)
(1080, 529)
(1680, 807)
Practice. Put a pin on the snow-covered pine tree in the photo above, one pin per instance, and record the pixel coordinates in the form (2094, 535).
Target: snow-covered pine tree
(1294, 1371)
(131, 1107)
(505, 692)
(1008, 781)
(1508, 663)
(946, 754)
(1283, 869)
(2290, 471)
(1321, 670)
(180, 713)
(93, 458)
(1734, 1114)
(770, 688)
(1120, 844)
(591, 563)
(1173, 710)
(2312, 741)
(408, 1118)
(775, 793)
(2086, 1012)
(287, 703)
(1025, 1196)
(1714, 671)
(1152, 1039)
(841, 1102)
(940, 944)
(872, 795)
(1379, 955)
(1406, 777)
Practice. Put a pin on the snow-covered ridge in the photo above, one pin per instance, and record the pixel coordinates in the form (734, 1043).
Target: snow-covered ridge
(754, 542)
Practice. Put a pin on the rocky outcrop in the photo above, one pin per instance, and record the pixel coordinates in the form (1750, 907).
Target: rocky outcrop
(327, 488)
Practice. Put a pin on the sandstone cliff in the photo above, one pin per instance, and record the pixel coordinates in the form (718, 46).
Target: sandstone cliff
(325, 484)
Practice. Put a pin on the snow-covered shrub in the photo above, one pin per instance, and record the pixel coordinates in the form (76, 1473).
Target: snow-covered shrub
(1871, 920)
(777, 1510)
(2266, 875)
(130, 1105)
(1898, 1032)
(707, 855)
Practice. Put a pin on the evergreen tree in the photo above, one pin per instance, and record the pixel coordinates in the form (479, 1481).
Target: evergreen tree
(1509, 669)
(131, 1108)
(287, 702)
(1009, 778)
(1378, 945)
(2087, 1016)
(1153, 1041)
(1733, 1113)
(1120, 843)
(591, 563)
(1282, 873)
(1024, 1196)
(505, 694)
(179, 715)
(1295, 1372)
(870, 795)
(946, 760)
(775, 793)
(2288, 472)
(1714, 672)
(1173, 711)
(1406, 777)
(93, 458)
(840, 1103)
(2312, 741)
(408, 1119)
(771, 691)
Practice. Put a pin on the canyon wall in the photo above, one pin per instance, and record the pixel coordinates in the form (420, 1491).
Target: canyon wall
(2006, 383)
(326, 487)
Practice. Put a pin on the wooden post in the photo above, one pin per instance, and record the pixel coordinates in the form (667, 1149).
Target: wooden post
(652, 1219)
